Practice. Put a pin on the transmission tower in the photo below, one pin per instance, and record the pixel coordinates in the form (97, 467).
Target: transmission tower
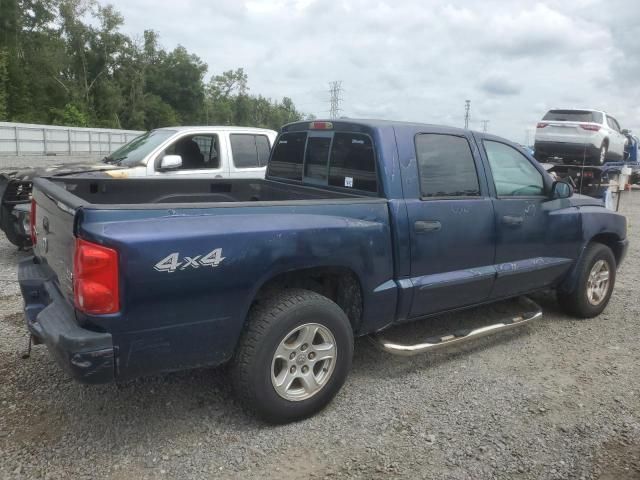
(467, 107)
(335, 93)
(485, 124)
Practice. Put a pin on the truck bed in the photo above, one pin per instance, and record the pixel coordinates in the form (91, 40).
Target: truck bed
(137, 193)
(190, 265)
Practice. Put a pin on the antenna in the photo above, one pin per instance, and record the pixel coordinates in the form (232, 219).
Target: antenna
(335, 92)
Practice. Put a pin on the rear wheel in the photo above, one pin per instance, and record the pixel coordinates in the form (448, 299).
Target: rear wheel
(293, 357)
(594, 283)
(602, 156)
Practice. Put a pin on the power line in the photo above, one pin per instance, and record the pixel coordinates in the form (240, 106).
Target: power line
(485, 124)
(467, 108)
(335, 92)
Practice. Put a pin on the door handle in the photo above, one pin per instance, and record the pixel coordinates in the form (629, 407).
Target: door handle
(513, 221)
(422, 226)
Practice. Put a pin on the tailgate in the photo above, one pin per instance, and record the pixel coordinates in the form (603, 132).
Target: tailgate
(55, 238)
(571, 132)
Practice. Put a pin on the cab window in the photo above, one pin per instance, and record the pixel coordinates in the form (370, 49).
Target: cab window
(446, 166)
(198, 152)
(513, 173)
(249, 151)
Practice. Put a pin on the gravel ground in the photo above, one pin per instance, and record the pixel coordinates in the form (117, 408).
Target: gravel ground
(557, 399)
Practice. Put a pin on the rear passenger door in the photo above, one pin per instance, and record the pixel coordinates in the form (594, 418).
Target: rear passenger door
(451, 220)
(249, 155)
(536, 237)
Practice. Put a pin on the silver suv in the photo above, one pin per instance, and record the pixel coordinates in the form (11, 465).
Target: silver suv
(589, 137)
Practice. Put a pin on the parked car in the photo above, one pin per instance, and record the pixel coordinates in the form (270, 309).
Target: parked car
(358, 226)
(589, 137)
(189, 152)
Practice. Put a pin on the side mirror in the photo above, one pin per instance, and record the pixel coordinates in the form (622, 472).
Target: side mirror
(561, 189)
(170, 162)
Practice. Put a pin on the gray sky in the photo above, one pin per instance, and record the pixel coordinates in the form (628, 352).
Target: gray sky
(417, 60)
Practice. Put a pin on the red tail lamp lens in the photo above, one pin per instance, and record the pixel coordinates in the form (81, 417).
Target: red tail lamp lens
(95, 278)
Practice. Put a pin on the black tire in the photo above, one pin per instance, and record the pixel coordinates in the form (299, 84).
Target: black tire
(601, 158)
(13, 231)
(576, 302)
(541, 157)
(269, 323)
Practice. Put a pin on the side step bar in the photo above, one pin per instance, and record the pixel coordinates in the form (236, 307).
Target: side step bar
(533, 311)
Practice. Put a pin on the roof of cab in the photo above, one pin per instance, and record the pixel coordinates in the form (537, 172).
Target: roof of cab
(213, 128)
(376, 123)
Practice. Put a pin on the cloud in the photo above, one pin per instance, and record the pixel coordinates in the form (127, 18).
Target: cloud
(498, 85)
(417, 60)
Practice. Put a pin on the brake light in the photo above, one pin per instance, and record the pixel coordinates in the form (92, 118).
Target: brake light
(541, 125)
(32, 222)
(593, 128)
(588, 174)
(95, 278)
(320, 126)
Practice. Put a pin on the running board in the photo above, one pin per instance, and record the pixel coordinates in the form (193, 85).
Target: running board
(533, 312)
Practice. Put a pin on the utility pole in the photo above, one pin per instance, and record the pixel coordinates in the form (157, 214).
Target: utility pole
(335, 93)
(467, 107)
(485, 124)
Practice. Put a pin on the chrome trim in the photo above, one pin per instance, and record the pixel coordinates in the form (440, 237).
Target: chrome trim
(533, 312)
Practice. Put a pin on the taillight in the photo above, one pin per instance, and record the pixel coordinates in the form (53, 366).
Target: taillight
(541, 125)
(95, 278)
(593, 128)
(32, 222)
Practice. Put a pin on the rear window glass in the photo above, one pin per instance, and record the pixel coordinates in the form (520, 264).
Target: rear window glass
(288, 154)
(338, 159)
(573, 116)
(352, 163)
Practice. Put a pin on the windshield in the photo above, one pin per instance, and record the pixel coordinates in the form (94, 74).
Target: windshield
(132, 153)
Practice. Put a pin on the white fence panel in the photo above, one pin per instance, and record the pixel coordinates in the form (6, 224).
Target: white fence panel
(29, 139)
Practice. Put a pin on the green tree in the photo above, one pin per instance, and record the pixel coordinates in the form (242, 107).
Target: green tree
(67, 62)
(4, 82)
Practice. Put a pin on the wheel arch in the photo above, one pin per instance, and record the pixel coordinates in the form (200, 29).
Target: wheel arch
(611, 240)
(338, 283)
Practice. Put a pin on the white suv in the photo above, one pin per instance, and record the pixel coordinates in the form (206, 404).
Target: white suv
(589, 137)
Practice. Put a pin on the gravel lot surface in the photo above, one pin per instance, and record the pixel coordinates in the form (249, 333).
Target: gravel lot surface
(557, 399)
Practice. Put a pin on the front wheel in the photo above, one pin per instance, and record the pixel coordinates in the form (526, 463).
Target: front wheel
(293, 357)
(596, 277)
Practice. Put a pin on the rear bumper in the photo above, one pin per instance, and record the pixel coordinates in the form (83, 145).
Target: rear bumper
(87, 356)
(575, 151)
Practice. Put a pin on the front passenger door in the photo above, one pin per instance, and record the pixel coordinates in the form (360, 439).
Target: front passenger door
(536, 237)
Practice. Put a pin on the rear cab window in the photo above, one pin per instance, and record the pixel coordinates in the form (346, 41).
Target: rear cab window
(337, 159)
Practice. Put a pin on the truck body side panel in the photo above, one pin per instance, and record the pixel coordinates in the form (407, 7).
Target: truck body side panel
(193, 315)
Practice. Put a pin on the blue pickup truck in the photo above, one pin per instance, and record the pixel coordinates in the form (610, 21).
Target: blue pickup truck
(358, 226)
